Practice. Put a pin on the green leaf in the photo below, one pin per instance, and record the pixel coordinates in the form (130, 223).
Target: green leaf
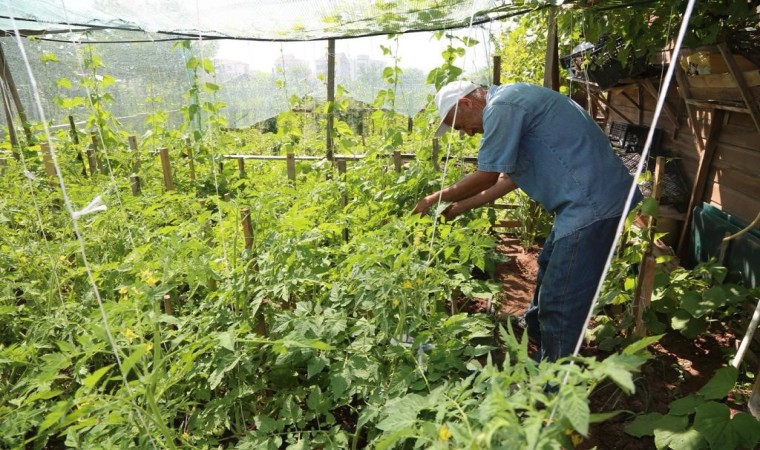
(685, 406)
(401, 413)
(689, 439)
(92, 379)
(641, 344)
(132, 359)
(226, 340)
(210, 87)
(720, 384)
(575, 408)
(669, 428)
(714, 421)
(64, 83)
(48, 57)
(644, 425)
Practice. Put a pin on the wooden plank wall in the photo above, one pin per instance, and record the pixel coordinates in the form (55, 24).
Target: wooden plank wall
(733, 183)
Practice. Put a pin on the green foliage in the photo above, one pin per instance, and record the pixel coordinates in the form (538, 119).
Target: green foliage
(700, 421)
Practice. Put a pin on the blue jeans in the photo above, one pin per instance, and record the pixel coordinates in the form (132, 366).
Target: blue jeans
(569, 269)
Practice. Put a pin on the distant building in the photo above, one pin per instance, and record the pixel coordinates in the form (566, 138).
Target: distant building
(227, 69)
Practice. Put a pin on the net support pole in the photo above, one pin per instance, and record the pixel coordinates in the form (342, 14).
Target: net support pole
(95, 155)
(330, 97)
(5, 74)
(551, 68)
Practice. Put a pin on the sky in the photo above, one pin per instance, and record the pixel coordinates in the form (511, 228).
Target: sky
(418, 50)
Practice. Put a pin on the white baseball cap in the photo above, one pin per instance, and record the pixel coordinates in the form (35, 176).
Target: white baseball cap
(447, 97)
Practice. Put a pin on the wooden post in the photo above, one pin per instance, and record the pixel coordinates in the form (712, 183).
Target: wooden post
(9, 120)
(397, 160)
(3, 166)
(436, 152)
(7, 78)
(47, 159)
(551, 66)
(75, 140)
(291, 162)
(700, 180)
(190, 159)
(135, 177)
(642, 298)
(168, 305)
(409, 124)
(241, 167)
(91, 161)
(74, 134)
(343, 195)
(245, 213)
(330, 97)
(95, 145)
(166, 167)
(497, 70)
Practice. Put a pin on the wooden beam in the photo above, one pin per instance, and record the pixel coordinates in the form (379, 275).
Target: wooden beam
(608, 104)
(646, 83)
(700, 181)
(738, 75)
(683, 85)
(497, 70)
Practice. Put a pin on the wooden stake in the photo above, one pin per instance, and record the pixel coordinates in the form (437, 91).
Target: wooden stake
(291, 161)
(74, 134)
(3, 166)
(436, 151)
(135, 177)
(397, 160)
(241, 167)
(343, 195)
(95, 145)
(245, 213)
(190, 160)
(168, 305)
(643, 296)
(47, 159)
(166, 167)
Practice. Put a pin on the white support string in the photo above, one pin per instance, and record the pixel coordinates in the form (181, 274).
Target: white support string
(30, 179)
(632, 190)
(75, 222)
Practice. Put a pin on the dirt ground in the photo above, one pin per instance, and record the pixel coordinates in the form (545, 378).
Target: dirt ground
(680, 366)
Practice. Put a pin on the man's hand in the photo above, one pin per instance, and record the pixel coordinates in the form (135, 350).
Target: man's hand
(452, 211)
(423, 205)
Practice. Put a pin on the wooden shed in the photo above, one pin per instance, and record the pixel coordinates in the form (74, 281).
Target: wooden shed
(710, 129)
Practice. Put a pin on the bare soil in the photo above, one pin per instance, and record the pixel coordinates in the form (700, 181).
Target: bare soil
(680, 365)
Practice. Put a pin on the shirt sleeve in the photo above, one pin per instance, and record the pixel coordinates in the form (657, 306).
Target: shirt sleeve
(502, 127)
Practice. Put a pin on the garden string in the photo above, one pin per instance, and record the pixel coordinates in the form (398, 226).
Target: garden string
(632, 189)
(75, 221)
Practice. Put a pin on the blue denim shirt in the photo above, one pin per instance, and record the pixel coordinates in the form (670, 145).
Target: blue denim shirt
(555, 152)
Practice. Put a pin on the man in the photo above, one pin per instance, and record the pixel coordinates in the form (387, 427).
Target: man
(548, 146)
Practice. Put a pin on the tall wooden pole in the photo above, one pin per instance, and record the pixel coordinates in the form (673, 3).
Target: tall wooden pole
(5, 73)
(551, 68)
(330, 96)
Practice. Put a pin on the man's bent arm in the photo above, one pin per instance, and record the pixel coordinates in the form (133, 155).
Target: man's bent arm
(472, 184)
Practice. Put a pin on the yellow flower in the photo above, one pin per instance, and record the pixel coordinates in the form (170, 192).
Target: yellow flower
(147, 276)
(148, 347)
(407, 284)
(444, 433)
(395, 302)
(129, 334)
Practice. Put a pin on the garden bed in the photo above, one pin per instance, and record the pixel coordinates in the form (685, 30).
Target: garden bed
(680, 365)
